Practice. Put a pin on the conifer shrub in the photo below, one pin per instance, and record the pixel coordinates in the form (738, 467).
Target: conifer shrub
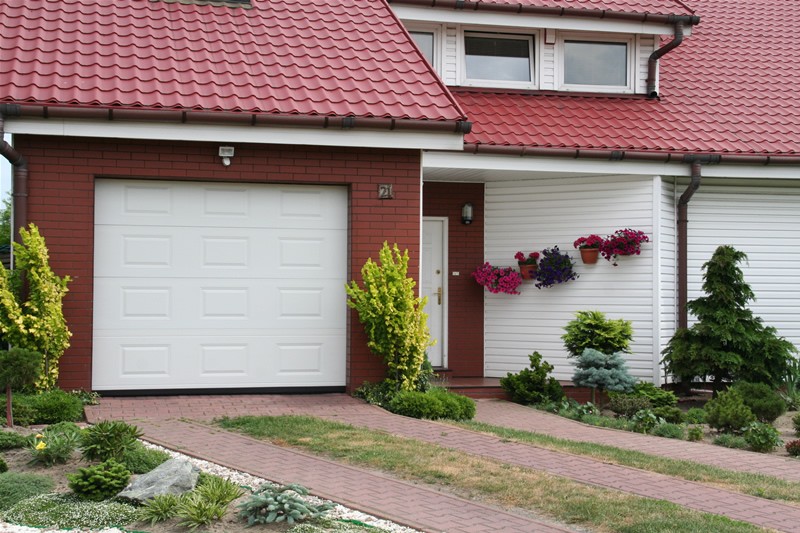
(53, 406)
(627, 405)
(597, 370)
(727, 413)
(434, 404)
(658, 397)
(455, 406)
(533, 385)
(591, 329)
(99, 482)
(696, 415)
(694, 434)
(673, 415)
(270, 504)
(10, 440)
(109, 439)
(141, 460)
(763, 400)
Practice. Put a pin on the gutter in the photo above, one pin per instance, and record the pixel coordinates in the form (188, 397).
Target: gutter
(652, 61)
(20, 176)
(683, 237)
(519, 8)
(240, 118)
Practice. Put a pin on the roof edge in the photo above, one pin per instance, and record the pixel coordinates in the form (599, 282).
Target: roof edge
(633, 155)
(227, 117)
(475, 5)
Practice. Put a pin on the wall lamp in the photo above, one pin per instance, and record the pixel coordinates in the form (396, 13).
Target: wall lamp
(226, 153)
(466, 213)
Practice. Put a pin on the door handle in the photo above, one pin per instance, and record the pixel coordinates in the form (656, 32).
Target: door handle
(439, 294)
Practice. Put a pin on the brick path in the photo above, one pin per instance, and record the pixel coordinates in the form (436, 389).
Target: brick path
(758, 511)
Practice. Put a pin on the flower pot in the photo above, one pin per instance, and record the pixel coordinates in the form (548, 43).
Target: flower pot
(527, 270)
(589, 255)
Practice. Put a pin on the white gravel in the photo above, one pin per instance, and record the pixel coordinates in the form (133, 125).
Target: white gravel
(240, 478)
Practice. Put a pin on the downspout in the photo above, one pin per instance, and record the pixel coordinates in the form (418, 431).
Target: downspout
(20, 184)
(652, 62)
(683, 248)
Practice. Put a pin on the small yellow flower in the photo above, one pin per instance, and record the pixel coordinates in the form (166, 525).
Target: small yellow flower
(39, 436)
(41, 446)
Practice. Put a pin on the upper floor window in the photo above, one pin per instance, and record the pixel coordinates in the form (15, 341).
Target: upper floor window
(426, 41)
(504, 58)
(596, 65)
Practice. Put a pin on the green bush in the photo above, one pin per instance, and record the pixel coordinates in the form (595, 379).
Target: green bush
(24, 414)
(55, 405)
(67, 511)
(64, 428)
(694, 434)
(673, 415)
(15, 487)
(10, 440)
(658, 397)
(793, 448)
(3, 466)
(591, 329)
(195, 511)
(159, 508)
(763, 400)
(696, 415)
(456, 406)
(51, 448)
(727, 413)
(109, 439)
(670, 431)
(598, 370)
(627, 405)
(533, 385)
(731, 441)
(99, 482)
(796, 424)
(646, 421)
(141, 460)
(270, 504)
(217, 489)
(606, 422)
(762, 437)
(375, 393)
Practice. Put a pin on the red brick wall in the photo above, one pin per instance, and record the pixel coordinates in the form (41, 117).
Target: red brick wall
(61, 203)
(465, 298)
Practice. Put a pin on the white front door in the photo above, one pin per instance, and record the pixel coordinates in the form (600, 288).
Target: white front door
(434, 240)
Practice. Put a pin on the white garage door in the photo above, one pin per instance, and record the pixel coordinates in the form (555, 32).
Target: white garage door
(201, 285)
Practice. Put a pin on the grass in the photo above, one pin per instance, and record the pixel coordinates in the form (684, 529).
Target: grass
(484, 479)
(759, 485)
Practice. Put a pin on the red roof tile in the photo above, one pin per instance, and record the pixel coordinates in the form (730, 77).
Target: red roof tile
(656, 7)
(327, 57)
(729, 88)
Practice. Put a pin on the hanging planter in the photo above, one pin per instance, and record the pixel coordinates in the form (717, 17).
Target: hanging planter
(589, 256)
(623, 242)
(589, 248)
(528, 265)
(554, 268)
(498, 279)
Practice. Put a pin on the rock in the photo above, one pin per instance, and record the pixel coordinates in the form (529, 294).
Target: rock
(175, 476)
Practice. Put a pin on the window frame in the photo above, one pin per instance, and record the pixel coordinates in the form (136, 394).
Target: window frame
(438, 42)
(630, 64)
(534, 61)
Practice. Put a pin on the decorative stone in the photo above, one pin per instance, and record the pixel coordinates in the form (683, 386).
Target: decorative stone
(175, 476)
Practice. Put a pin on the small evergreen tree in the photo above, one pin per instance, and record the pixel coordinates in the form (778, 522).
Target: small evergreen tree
(18, 368)
(392, 316)
(591, 329)
(727, 342)
(602, 371)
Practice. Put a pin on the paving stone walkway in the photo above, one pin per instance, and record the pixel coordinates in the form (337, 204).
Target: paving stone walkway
(159, 419)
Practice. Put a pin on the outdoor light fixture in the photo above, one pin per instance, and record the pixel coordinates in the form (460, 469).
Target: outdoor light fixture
(226, 153)
(466, 213)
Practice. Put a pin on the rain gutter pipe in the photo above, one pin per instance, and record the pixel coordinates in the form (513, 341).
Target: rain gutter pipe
(20, 175)
(652, 62)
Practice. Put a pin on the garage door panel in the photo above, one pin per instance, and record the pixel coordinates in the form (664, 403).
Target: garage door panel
(212, 303)
(181, 252)
(215, 286)
(142, 203)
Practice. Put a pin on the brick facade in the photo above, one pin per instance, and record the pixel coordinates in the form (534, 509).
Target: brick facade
(465, 254)
(61, 203)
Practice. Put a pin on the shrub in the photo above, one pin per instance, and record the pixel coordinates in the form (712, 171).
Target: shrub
(669, 431)
(392, 315)
(15, 487)
(67, 511)
(159, 508)
(645, 421)
(696, 415)
(673, 415)
(763, 400)
(375, 393)
(727, 413)
(591, 329)
(762, 437)
(793, 448)
(627, 405)
(796, 424)
(607, 422)
(109, 439)
(533, 385)
(731, 441)
(658, 397)
(416, 405)
(196, 511)
(99, 482)
(10, 440)
(50, 448)
(3, 466)
(55, 406)
(270, 504)
(64, 427)
(24, 414)
(141, 460)
(601, 371)
(455, 406)
(18, 368)
(694, 434)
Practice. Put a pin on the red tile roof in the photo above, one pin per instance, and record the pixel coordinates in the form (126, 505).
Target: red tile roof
(657, 7)
(326, 57)
(729, 88)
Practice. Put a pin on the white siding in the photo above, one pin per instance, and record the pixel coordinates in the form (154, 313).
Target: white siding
(668, 261)
(450, 59)
(762, 221)
(646, 46)
(548, 67)
(532, 215)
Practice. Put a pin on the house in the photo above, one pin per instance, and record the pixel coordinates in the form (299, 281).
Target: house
(211, 173)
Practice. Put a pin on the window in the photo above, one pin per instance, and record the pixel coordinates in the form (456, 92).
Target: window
(425, 42)
(503, 58)
(601, 65)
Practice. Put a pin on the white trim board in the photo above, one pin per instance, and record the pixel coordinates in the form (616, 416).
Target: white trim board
(225, 133)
